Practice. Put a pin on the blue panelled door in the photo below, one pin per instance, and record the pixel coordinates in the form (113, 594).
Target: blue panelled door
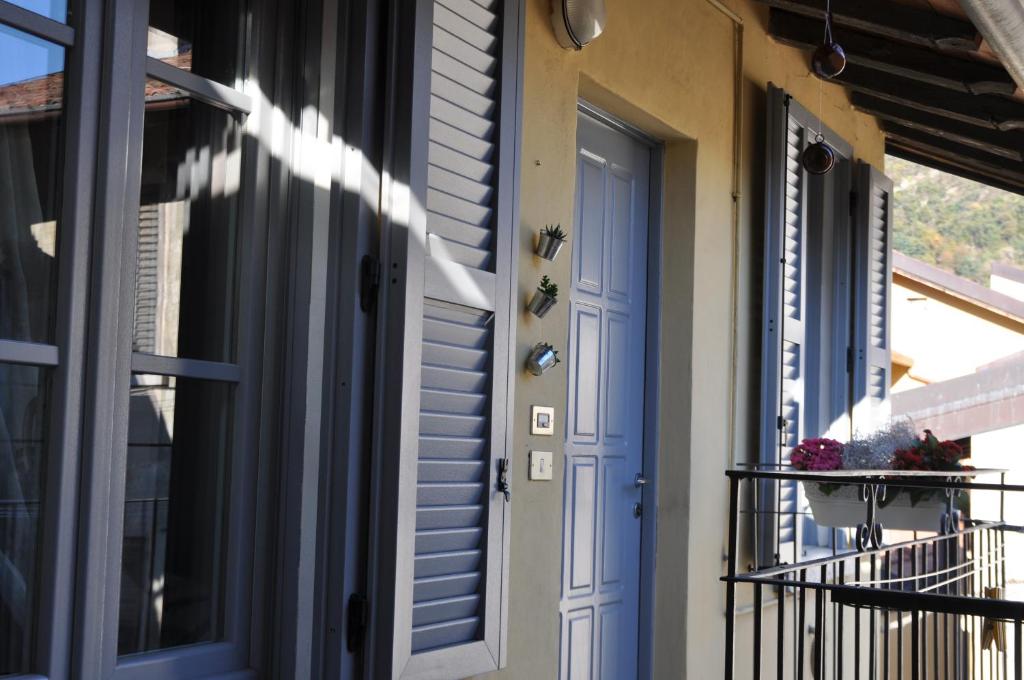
(605, 412)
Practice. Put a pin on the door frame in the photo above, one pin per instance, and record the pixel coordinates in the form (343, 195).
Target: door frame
(652, 368)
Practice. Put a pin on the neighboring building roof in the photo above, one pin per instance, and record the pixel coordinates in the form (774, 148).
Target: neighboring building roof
(944, 283)
(1008, 271)
(1004, 362)
(991, 399)
(902, 359)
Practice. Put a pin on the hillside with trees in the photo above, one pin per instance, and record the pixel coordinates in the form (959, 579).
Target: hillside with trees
(953, 223)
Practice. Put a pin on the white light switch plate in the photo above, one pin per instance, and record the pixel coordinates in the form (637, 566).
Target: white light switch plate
(540, 465)
(542, 420)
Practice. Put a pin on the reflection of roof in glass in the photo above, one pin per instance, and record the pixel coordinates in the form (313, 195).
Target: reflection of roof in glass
(47, 93)
(36, 94)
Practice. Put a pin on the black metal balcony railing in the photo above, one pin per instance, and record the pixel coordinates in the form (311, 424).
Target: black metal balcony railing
(926, 607)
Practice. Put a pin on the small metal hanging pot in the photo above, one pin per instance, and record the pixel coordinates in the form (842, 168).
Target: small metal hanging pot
(542, 357)
(541, 303)
(829, 59)
(818, 158)
(548, 246)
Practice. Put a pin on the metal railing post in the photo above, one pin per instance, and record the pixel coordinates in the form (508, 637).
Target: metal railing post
(943, 583)
(730, 589)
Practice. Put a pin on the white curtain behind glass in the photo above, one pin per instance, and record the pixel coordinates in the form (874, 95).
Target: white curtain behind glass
(21, 429)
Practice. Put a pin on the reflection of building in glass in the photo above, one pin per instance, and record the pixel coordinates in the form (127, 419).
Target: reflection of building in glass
(30, 122)
(31, 103)
(158, 278)
(160, 234)
(172, 566)
(178, 428)
(23, 411)
(183, 296)
(145, 516)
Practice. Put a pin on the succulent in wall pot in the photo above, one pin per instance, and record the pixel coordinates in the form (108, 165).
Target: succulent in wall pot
(545, 297)
(551, 240)
(542, 357)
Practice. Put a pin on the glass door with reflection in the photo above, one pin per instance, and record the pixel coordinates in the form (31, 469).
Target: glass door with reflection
(185, 371)
(32, 122)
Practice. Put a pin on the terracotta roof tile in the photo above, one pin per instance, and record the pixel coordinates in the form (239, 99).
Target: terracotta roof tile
(47, 92)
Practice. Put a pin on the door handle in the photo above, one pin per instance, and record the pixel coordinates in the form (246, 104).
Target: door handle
(639, 481)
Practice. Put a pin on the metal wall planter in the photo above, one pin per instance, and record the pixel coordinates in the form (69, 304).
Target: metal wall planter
(548, 246)
(542, 357)
(541, 303)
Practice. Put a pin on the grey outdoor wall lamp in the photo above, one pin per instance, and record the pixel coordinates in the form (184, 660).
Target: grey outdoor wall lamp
(577, 22)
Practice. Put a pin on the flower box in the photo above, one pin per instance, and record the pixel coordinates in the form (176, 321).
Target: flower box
(844, 508)
(882, 463)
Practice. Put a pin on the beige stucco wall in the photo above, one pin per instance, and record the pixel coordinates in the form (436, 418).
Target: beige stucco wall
(1001, 450)
(945, 337)
(665, 66)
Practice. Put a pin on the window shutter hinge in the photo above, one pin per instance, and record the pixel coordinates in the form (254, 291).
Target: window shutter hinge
(358, 616)
(853, 203)
(369, 282)
(781, 424)
(504, 485)
(849, 360)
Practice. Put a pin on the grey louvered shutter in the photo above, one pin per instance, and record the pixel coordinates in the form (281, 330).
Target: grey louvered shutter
(446, 613)
(147, 280)
(783, 351)
(872, 291)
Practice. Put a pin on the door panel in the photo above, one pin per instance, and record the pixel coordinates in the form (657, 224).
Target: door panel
(584, 497)
(586, 352)
(605, 409)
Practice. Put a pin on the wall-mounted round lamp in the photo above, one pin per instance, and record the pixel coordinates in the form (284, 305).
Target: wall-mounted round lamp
(577, 22)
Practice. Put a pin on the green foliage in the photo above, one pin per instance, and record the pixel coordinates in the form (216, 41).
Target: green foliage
(555, 232)
(953, 223)
(553, 351)
(548, 287)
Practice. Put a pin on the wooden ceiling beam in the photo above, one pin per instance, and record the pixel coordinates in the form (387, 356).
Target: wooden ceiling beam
(891, 20)
(945, 163)
(884, 55)
(968, 158)
(984, 110)
(1003, 144)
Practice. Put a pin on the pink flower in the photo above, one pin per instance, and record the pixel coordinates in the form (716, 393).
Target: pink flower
(817, 455)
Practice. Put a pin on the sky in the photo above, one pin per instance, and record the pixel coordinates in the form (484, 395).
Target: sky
(53, 9)
(22, 56)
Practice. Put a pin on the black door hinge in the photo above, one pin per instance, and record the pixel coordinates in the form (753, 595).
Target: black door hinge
(369, 282)
(853, 203)
(504, 486)
(849, 360)
(358, 616)
(781, 424)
